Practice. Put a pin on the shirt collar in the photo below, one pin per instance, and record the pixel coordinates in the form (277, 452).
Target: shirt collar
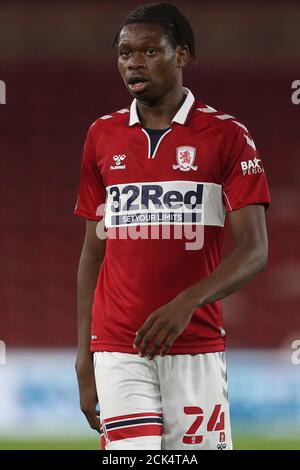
(180, 117)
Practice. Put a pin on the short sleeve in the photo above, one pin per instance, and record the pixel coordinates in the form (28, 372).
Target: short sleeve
(91, 192)
(243, 177)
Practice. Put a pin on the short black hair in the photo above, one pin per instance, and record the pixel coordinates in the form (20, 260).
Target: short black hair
(173, 22)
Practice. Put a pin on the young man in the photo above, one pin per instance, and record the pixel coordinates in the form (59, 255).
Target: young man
(150, 301)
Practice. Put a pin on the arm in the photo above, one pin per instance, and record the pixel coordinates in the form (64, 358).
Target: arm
(245, 261)
(93, 252)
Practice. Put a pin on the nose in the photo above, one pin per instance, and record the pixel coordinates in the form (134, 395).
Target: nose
(137, 62)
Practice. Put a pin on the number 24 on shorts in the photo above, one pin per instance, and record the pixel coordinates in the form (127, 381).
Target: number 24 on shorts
(215, 423)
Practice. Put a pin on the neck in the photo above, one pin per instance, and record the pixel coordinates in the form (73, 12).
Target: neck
(159, 114)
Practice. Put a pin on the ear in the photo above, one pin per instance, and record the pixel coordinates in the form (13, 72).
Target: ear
(182, 55)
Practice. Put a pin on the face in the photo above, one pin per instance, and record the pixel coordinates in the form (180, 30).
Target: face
(150, 66)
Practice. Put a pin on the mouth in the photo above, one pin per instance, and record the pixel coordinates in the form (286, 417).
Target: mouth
(137, 84)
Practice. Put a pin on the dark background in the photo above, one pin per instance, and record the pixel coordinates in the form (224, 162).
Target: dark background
(60, 72)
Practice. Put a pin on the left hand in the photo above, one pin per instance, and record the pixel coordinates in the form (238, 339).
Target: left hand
(163, 326)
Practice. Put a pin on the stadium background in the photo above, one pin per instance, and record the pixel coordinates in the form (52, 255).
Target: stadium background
(60, 73)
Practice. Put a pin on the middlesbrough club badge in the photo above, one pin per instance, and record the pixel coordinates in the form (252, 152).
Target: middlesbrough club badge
(185, 157)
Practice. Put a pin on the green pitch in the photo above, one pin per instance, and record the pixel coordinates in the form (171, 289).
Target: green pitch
(240, 443)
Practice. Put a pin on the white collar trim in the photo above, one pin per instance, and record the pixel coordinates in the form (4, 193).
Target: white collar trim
(180, 116)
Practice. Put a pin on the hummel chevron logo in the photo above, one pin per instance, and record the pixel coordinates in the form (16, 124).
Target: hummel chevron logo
(224, 117)
(250, 142)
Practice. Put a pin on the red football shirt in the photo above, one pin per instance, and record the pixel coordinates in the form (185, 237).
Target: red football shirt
(205, 165)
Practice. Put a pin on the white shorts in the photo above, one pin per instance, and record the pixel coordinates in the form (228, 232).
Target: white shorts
(174, 402)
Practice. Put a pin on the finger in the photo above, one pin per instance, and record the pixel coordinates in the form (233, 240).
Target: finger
(168, 343)
(93, 420)
(142, 331)
(158, 342)
(149, 337)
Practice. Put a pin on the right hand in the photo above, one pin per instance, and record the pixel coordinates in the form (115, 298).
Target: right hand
(87, 389)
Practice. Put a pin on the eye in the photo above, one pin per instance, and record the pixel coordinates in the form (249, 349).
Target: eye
(151, 51)
(125, 53)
